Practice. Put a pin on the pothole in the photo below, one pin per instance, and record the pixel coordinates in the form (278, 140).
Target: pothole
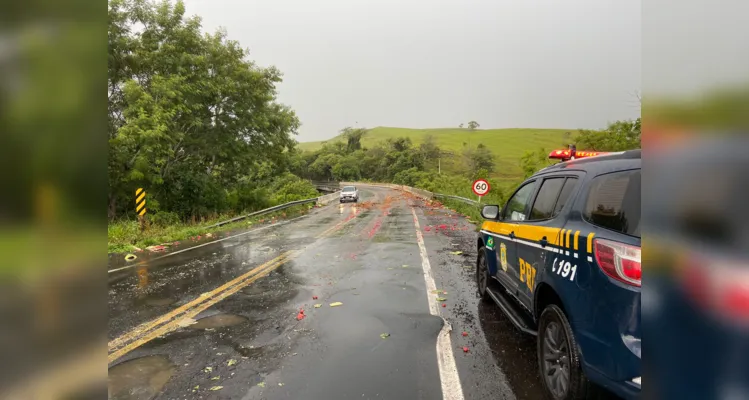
(140, 378)
(218, 321)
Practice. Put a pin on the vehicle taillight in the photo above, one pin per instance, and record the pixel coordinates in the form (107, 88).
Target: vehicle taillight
(619, 261)
(718, 286)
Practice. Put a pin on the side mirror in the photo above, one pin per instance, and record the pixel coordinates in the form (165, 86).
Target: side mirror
(490, 212)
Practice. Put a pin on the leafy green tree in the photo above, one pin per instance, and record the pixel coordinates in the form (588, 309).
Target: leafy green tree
(477, 159)
(618, 136)
(353, 138)
(473, 125)
(189, 116)
(532, 161)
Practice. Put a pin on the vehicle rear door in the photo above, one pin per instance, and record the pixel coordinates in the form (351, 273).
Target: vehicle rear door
(539, 236)
(504, 231)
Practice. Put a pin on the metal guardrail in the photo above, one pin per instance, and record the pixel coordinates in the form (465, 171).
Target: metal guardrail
(458, 198)
(320, 200)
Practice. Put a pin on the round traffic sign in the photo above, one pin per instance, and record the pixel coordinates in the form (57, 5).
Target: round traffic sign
(481, 187)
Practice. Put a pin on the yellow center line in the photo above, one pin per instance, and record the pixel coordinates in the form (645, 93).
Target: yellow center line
(174, 324)
(151, 330)
(147, 326)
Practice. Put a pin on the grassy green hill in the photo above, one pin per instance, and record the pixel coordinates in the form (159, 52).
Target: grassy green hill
(508, 145)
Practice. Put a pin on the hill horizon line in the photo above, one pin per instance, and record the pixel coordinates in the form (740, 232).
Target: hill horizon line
(444, 128)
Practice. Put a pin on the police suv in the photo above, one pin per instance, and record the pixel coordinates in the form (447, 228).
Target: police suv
(562, 261)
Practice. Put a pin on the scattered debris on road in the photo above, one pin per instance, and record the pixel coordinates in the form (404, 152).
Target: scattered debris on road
(441, 299)
(465, 349)
(384, 335)
(444, 305)
(280, 383)
(465, 333)
(314, 297)
(231, 362)
(456, 253)
(215, 378)
(156, 248)
(208, 369)
(336, 304)
(261, 384)
(216, 388)
(318, 305)
(301, 315)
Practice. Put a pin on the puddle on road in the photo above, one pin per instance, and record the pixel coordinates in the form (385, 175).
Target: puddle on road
(139, 379)
(218, 321)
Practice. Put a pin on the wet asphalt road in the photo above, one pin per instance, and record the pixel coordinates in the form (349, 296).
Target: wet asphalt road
(365, 255)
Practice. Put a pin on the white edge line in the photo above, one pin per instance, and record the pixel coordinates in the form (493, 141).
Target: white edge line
(590, 259)
(206, 244)
(449, 378)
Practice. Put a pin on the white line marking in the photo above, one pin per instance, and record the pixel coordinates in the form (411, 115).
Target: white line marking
(566, 253)
(590, 259)
(451, 388)
(575, 255)
(205, 244)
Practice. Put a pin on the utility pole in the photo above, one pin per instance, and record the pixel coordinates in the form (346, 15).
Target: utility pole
(439, 160)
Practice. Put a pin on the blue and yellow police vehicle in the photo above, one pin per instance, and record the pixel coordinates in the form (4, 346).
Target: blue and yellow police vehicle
(562, 260)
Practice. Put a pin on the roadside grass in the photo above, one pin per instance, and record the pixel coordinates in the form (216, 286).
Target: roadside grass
(507, 145)
(124, 236)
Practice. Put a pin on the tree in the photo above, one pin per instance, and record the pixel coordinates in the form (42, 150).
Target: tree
(189, 116)
(353, 138)
(473, 125)
(480, 158)
(618, 136)
(429, 150)
(532, 161)
(460, 126)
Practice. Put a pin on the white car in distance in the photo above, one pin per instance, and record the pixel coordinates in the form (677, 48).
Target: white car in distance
(349, 193)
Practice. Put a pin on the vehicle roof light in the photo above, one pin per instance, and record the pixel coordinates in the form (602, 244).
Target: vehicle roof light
(565, 155)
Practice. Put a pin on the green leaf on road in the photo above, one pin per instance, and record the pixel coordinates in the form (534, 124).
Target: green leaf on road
(216, 388)
(456, 253)
(261, 384)
(441, 299)
(384, 335)
(336, 304)
(208, 369)
(318, 305)
(215, 378)
(231, 362)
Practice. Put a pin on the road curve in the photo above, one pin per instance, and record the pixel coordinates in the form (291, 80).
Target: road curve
(223, 321)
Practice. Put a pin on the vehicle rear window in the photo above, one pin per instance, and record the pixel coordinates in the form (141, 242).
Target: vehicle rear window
(543, 206)
(614, 202)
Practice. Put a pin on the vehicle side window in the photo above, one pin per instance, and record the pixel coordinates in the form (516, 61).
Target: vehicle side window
(543, 206)
(569, 185)
(614, 202)
(515, 208)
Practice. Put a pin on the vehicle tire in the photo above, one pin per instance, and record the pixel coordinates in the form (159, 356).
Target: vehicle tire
(559, 362)
(482, 274)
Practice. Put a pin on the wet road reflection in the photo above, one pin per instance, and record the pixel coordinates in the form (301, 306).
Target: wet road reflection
(254, 344)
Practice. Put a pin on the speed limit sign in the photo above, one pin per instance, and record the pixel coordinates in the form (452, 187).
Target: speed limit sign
(481, 187)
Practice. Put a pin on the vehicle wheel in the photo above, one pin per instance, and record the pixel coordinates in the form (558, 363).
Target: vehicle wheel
(559, 362)
(482, 274)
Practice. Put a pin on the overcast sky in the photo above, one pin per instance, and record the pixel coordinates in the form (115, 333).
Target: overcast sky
(429, 63)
